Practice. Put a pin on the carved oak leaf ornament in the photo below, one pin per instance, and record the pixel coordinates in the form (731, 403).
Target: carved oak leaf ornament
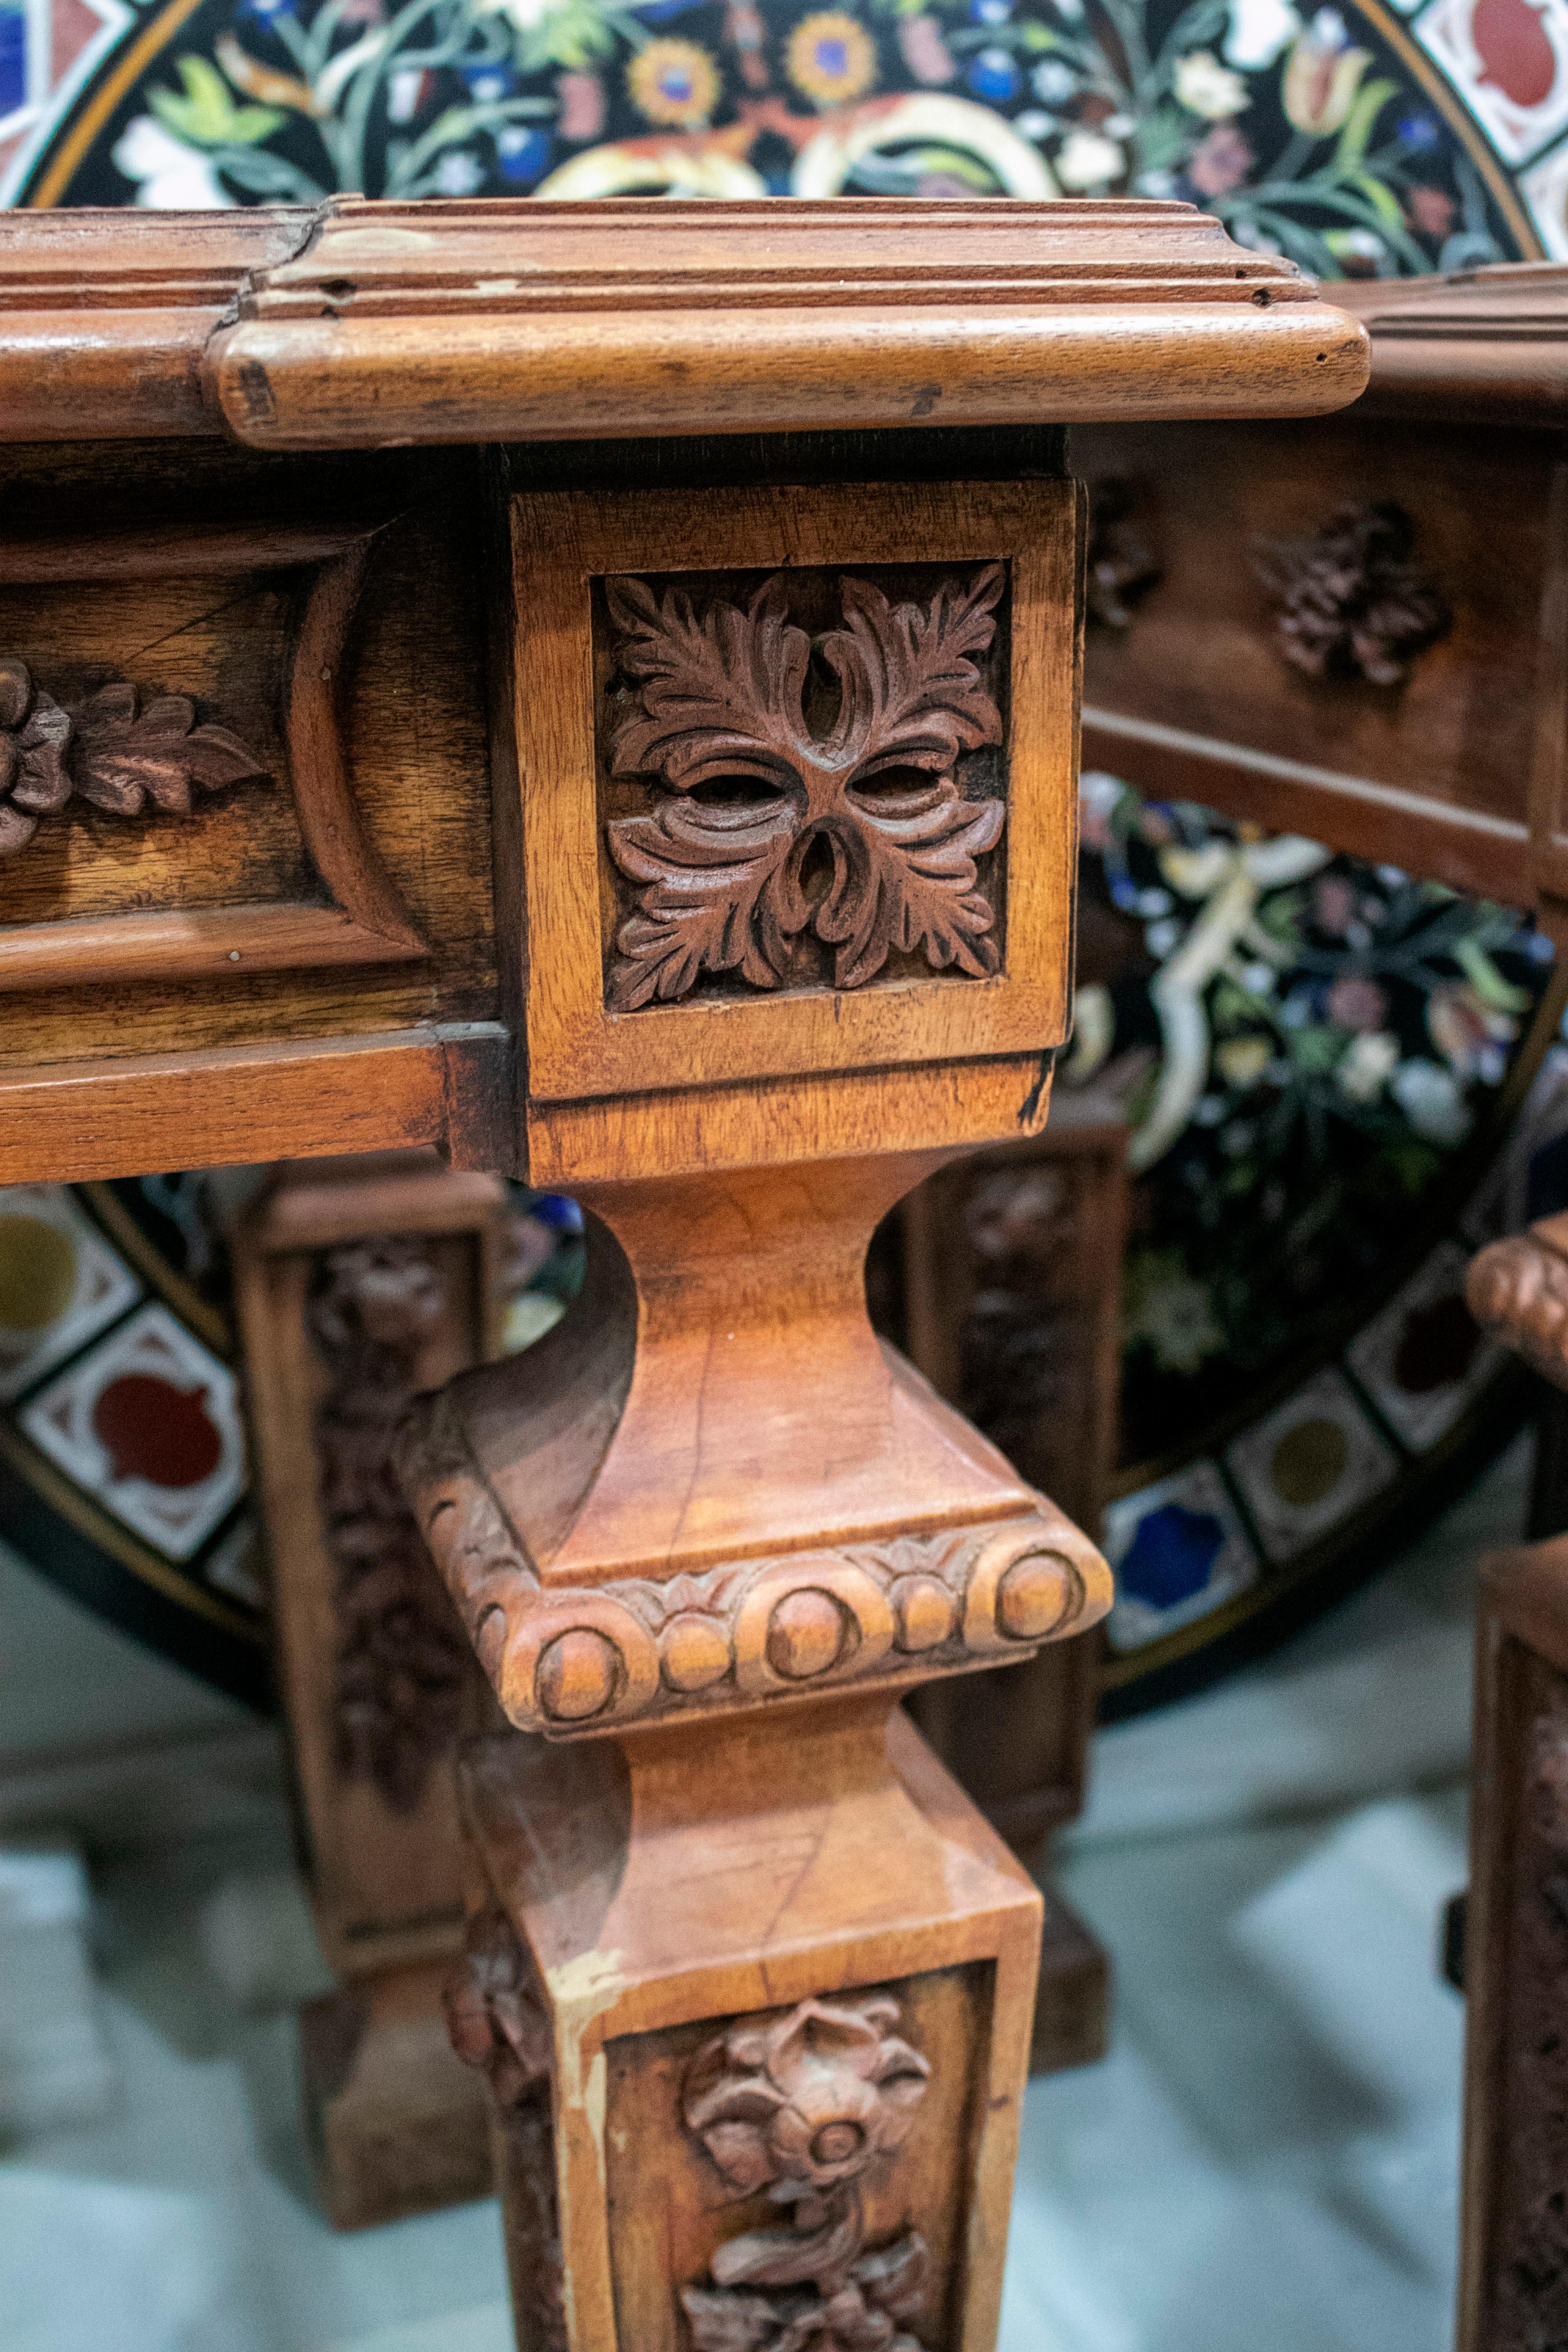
(33, 780)
(799, 2106)
(107, 751)
(720, 695)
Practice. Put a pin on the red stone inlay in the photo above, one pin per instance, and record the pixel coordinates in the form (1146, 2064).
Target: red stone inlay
(153, 1429)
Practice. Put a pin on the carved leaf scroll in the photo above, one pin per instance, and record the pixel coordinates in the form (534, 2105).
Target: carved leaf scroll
(111, 750)
(802, 2103)
(723, 866)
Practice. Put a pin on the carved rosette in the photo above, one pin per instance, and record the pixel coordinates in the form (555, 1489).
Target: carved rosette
(802, 2103)
(114, 751)
(1351, 604)
(565, 1659)
(779, 826)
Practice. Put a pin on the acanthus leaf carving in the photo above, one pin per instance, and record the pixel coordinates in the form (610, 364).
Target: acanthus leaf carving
(721, 696)
(801, 2105)
(111, 750)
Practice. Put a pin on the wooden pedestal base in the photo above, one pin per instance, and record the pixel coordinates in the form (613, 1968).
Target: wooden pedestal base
(395, 2124)
(755, 1999)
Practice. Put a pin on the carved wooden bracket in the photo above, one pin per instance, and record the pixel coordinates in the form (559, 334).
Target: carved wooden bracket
(723, 710)
(114, 750)
(802, 2103)
(1351, 601)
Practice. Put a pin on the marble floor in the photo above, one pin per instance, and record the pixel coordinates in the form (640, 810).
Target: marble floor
(1265, 2163)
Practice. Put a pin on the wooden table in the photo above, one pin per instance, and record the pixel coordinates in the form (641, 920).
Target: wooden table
(1395, 685)
(1357, 629)
(595, 690)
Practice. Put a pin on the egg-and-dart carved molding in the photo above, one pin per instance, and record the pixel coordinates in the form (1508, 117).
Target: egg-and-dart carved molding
(1351, 601)
(719, 697)
(585, 1658)
(112, 749)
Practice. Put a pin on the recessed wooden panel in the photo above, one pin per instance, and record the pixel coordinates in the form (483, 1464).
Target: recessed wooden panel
(670, 2211)
(1194, 696)
(223, 640)
(565, 546)
(270, 912)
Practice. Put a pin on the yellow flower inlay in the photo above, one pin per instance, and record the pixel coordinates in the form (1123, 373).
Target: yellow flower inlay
(674, 82)
(831, 58)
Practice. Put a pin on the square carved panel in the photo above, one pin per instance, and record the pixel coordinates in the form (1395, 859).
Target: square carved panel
(802, 777)
(797, 779)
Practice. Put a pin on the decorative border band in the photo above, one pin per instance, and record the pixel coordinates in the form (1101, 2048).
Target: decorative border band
(588, 1658)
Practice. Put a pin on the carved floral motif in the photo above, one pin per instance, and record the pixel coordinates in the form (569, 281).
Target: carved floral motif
(402, 1659)
(108, 750)
(496, 2021)
(801, 2105)
(772, 829)
(1351, 601)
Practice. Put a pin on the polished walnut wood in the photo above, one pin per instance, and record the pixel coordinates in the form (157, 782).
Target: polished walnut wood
(501, 321)
(357, 1284)
(533, 551)
(1010, 1268)
(1411, 708)
(1513, 2271)
(1518, 1290)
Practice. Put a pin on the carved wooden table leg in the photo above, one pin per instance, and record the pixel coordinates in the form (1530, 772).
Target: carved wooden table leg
(1012, 1287)
(760, 1930)
(1513, 2247)
(777, 1969)
(359, 1283)
(1513, 2258)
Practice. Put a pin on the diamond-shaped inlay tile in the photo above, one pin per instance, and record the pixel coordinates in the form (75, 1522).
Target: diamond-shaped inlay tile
(61, 1283)
(148, 1424)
